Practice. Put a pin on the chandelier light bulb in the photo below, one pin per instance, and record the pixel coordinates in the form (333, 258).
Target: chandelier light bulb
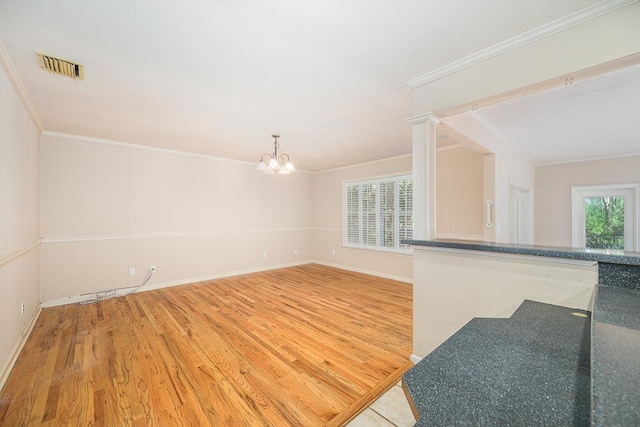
(289, 166)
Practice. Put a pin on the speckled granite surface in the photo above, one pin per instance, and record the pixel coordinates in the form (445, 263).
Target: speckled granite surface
(531, 369)
(613, 257)
(625, 276)
(616, 357)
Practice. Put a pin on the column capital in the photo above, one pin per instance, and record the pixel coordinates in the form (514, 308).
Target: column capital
(423, 118)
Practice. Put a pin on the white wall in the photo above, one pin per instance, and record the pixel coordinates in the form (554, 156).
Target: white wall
(19, 221)
(553, 192)
(109, 206)
(510, 167)
(602, 39)
(328, 225)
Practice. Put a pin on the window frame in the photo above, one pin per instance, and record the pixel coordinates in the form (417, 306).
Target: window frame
(397, 247)
(578, 194)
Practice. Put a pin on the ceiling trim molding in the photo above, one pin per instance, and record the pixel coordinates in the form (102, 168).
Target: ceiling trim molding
(15, 80)
(147, 148)
(586, 73)
(371, 162)
(550, 28)
(589, 159)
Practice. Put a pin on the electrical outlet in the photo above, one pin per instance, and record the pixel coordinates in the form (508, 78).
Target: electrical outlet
(264, 255)
(295, 252)
(132, 271)
(333, 252)
(22, 308)
(153, 268)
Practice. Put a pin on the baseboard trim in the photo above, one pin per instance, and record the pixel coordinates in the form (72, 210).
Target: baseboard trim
(365, 271)
(74, 299)
(79, 298)
(8, 367)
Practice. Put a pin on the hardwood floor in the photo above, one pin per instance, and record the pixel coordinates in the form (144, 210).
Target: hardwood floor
(301, 346)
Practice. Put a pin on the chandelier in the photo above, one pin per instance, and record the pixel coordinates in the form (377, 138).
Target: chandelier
(277, 162)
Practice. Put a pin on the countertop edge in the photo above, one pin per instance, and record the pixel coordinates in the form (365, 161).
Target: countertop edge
(626, 258)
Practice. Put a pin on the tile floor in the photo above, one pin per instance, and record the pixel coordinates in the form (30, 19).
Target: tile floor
(391, 409)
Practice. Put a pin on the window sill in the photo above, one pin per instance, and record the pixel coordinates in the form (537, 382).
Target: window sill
(403, 252)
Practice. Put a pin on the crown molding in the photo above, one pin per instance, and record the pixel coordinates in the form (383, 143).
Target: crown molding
(14, 78)
(589, 159)
(371, 162)
(550, 28)
(134, 146)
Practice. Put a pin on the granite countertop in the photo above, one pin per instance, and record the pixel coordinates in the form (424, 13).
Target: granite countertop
(530, 369)
(615, 333)
(615, 357)
(611, 256)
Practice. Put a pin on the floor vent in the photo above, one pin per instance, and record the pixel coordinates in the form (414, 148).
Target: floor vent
(60, 66)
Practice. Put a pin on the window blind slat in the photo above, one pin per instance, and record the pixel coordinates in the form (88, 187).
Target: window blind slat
(379, 213)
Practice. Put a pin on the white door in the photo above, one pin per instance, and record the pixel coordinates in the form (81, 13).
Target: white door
(519, 215)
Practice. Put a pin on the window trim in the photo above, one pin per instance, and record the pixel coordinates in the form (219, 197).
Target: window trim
(578, 238)
(396, 249)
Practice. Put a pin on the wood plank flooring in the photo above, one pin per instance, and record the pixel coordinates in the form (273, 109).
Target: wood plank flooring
(301, 346)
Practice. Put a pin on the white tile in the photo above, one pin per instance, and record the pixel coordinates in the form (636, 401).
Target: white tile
(394, 407)
(369, 418)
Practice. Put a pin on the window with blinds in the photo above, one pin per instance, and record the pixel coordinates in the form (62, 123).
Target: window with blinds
(379, 213)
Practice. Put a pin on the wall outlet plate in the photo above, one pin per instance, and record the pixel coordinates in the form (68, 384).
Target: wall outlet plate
(132, 271)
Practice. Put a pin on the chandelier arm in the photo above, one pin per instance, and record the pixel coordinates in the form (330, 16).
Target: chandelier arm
(277, 162)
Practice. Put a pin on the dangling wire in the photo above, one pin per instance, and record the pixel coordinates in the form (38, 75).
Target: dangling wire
(113, 293)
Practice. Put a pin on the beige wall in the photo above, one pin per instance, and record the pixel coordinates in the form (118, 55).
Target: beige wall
(553, 192)
(109, 206)
(510, 168)
(19, 221)
(459, 194)
(327, 220)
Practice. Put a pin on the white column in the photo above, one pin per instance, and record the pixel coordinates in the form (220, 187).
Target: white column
(424, 176)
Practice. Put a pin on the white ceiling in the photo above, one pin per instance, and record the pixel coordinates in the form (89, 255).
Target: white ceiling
(219, 77)
(591, 118)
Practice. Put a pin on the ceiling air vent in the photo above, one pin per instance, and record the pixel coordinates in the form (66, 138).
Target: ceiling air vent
(60, 66)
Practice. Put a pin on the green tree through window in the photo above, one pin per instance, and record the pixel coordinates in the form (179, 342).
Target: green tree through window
(604, 222)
